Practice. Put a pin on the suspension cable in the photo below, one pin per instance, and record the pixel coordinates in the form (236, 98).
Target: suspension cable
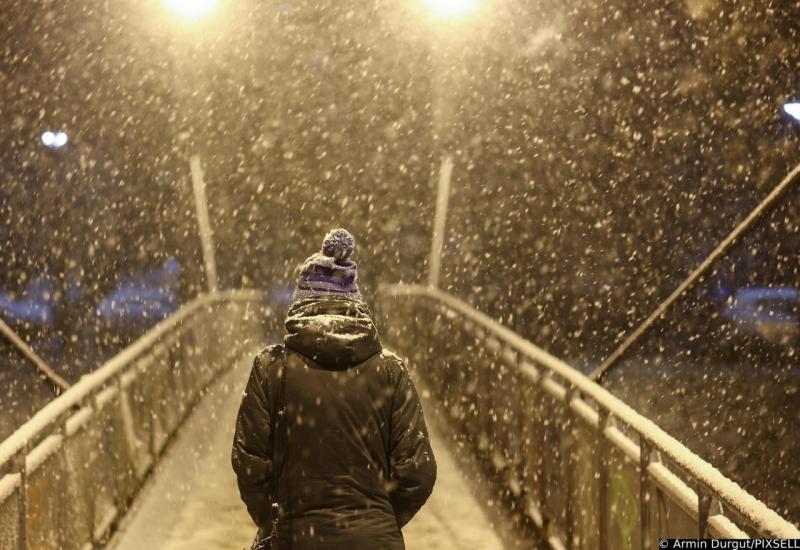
(52, 376)
(722, 249)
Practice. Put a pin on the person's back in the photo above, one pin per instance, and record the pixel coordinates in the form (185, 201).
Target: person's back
(358, 464)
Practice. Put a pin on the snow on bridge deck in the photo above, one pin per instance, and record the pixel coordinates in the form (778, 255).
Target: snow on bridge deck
(191, 501)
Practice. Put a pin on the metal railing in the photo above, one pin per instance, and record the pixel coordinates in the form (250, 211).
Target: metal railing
(723, 248)
(587, 469)
(69, 473)
(53, 378)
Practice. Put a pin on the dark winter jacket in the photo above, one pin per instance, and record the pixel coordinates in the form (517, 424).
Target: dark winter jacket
(359, 463)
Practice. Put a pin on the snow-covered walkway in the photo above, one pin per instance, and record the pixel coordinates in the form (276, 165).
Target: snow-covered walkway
(191, 501)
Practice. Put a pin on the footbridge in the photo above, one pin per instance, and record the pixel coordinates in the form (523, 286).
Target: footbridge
(135, 455)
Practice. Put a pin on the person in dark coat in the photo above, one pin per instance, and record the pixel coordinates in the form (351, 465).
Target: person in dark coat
(358, 462)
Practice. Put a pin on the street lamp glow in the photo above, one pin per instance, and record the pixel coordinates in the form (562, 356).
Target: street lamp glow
(61, 139)
(793, 110)
(48, 138)
(54, 140)
(192, 9)
(451, 9)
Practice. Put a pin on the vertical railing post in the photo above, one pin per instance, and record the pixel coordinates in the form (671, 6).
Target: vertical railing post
(602, 480)
(644, 491)
(152, 421)
(19, 465)
(121, 496)
(703, 509)
(569, 466)
(540, 461)
(93, 401)
(61, 423)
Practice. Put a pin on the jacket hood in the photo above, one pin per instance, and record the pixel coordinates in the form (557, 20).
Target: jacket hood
(333, 331)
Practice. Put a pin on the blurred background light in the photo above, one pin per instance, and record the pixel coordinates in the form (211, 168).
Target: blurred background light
(48, 138)
(61, 139)
(793, 110)
(54, 140)
(192, 9)
(450, 9)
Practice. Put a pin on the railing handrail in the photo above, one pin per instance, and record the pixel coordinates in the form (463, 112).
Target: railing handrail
(75, 395)
(764, 519)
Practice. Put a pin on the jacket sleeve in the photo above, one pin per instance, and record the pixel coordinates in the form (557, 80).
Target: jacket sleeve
(251, 452)
(413, 467)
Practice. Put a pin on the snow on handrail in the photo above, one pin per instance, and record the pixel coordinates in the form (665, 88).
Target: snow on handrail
(765, 520)
(75, 395)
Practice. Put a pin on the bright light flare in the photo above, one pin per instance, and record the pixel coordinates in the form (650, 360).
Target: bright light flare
(54, 140)
(450, 9)
(192, 10)
(793, 110)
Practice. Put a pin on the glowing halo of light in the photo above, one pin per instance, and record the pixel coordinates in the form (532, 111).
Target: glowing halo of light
(793, 110)
(54, 140)
(450, 9)
(48, 139)
(192, 10)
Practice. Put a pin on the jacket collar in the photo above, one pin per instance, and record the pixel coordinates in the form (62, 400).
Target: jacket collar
(333, 331)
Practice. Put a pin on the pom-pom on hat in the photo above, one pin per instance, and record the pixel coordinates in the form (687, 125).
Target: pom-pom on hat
(330, 272)
(338, 244)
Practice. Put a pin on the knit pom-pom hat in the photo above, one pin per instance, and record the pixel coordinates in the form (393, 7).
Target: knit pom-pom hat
(330, 271)
(338, 244)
